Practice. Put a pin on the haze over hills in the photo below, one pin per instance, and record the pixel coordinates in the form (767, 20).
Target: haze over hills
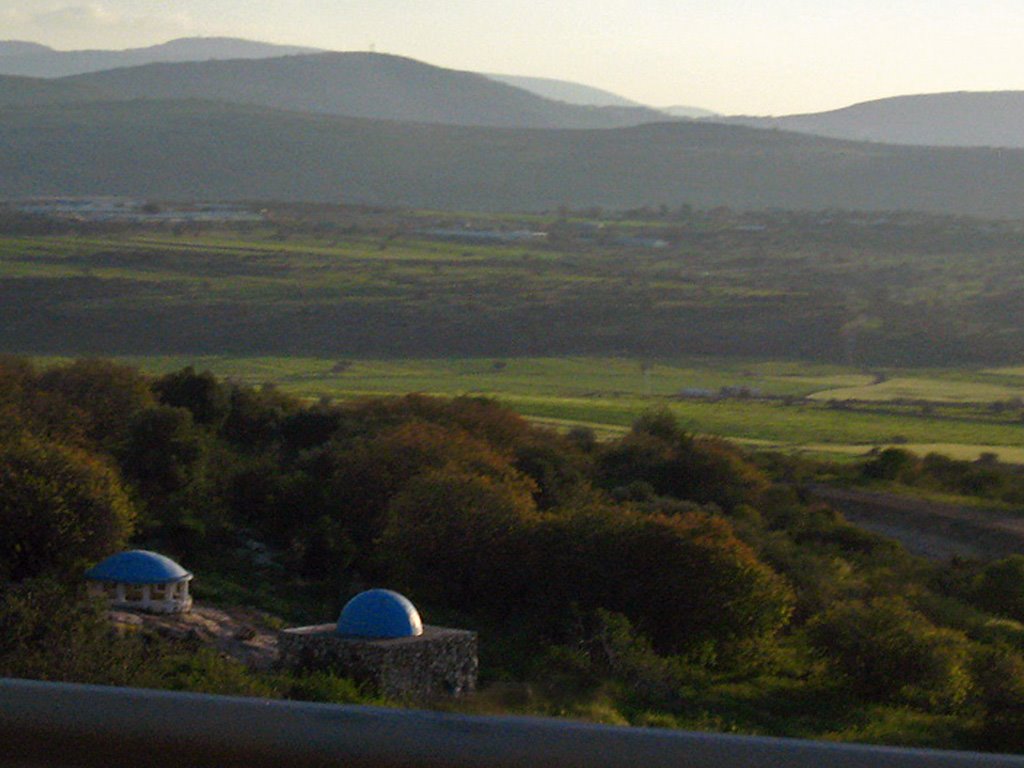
(391, 87)
(566, 90)
(34, 60)
(202, 150)
(983, 119)
(359, 84)
(29, 59)
(693, 113)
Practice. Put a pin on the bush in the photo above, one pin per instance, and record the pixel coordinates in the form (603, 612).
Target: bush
(324, 687)
(888, 651)
(50, 632)
(891, 464)
(999, 676)
(1000, 587)
(705, 470)
(683, 580)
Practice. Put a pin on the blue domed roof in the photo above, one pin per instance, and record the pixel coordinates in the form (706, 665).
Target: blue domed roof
(380, 613)
(138, 566)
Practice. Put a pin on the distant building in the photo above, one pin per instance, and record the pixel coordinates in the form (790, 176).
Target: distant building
(483, 236)
(380, 639)
(143, 581)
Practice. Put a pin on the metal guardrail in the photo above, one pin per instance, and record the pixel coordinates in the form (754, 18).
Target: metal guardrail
(60, 724)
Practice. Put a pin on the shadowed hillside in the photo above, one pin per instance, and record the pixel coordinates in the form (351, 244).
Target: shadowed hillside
(34, 92)
(196, 150)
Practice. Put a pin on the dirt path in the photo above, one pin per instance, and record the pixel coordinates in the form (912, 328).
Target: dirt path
(240, 633)
(928, 528)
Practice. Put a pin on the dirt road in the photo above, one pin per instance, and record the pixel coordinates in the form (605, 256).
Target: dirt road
(927, 528)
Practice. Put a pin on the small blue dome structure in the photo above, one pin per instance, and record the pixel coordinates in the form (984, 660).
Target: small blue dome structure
(142, 580)
(137, 566)
(380, 613)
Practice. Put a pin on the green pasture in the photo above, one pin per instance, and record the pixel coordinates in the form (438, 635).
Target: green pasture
(607, 395)
(936, 390)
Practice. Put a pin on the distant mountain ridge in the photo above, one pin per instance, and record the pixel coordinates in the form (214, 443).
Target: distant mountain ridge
(27, 59)
(356, 84)
(208, 151)
(566, 90)
(963, 118)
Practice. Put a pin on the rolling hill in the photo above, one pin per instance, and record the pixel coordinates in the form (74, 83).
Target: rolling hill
(202, 150)
(367, 85)
(982, 119)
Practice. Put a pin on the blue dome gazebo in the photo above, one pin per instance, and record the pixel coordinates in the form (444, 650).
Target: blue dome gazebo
(380, 613)
(141, 580)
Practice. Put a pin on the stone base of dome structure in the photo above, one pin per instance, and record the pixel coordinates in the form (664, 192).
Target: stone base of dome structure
(439, 663)
(181, 606)
(149, 598)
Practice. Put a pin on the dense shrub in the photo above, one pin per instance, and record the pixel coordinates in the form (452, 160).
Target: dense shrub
(683, 580)
(1000, 587)
(659, 452)
(886, 650)
(891, 464)
(999, 677)
(49, 632)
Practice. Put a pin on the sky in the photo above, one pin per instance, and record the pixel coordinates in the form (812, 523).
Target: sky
(731, 56)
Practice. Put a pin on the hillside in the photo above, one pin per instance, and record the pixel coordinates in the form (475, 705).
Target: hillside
(198, 150)
(35, 60)
(992, 119)
(32, 91)
(566, 90)
(367, 85)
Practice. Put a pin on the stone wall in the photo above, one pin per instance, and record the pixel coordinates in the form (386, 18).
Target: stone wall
(440, 662)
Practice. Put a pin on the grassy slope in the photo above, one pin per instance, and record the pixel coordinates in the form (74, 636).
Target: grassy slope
(778, 294)
(189, 150)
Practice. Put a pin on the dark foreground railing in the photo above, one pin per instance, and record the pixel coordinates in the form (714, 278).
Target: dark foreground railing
(55, 724)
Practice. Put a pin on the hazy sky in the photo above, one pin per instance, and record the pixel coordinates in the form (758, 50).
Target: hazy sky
(734, 56)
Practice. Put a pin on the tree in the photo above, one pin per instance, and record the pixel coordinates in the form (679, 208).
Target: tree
(206, 399)
(109, 395)
(60, 508)
(458, 537)
(161, 449)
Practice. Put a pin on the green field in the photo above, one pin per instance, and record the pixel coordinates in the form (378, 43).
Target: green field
(607, 394)
(778, 329)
